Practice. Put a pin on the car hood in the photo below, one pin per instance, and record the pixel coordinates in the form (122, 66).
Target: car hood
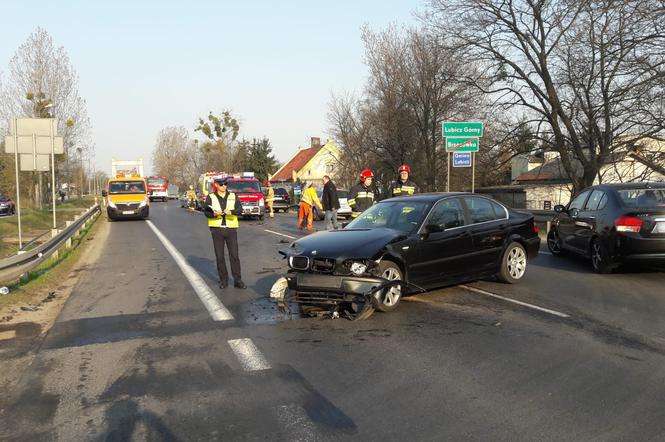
(348, 243)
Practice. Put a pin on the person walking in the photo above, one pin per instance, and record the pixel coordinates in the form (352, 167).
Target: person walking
(306, 212)
(362, 196)
(222, 208)
(330, 203)
(270, 198)
(403, 186)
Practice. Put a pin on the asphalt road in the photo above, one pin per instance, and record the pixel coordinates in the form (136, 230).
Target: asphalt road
(136, 354)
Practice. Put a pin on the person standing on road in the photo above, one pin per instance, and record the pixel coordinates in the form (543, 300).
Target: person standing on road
(270, 198)
(191, 198)
(403, 186)
(222, 208)
(362, 196)
(330, 203)
(306, 212)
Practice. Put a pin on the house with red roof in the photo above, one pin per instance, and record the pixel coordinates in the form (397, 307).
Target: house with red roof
(309, 163)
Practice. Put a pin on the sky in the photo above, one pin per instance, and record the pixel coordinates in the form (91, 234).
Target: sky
(147, 65)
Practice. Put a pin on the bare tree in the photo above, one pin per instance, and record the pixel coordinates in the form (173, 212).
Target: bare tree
(587, 75)
(171, 156)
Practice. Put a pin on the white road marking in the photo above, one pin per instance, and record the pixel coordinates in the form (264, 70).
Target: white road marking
(7, 335)
(249, 355)
(515, 301)
(214, 306)
(280, 234)
(296, 423)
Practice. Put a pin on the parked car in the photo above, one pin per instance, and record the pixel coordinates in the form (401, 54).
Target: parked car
(344, 210)
(612, 224)
(409, 244)
(282, 199)
(7, 206)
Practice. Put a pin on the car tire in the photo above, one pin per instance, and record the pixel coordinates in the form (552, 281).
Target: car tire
(554, 243)
(600, 257)
(387, 300)
(513, 264)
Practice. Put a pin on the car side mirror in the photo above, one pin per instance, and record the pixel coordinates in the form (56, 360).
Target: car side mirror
(559, 208)
(104, 193)
(434, 228)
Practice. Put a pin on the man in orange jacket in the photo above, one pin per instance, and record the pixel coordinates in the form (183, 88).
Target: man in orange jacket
(307, 202)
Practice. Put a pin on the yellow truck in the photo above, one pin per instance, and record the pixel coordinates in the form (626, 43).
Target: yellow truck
(126, 196)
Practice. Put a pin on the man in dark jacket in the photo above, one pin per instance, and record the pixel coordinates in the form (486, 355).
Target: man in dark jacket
(330, 203)
(403, 186)
(222, 209)
(363, 195)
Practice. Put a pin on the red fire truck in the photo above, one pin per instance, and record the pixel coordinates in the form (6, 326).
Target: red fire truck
(157, 188)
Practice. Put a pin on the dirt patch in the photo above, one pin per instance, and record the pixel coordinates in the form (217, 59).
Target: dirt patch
(40, 301)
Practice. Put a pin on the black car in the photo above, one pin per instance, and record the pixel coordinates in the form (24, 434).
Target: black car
(282, 200)
(7, 206)
(408, 244)
(612, 224)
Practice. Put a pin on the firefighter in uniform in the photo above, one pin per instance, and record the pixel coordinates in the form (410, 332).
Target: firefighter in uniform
(403, 186)
(306, 212)
(191, 198)
(362, 196)
(270, 198)
(222, 208)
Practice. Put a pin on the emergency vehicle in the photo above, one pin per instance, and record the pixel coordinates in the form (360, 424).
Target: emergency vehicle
(158, 188)
(244, 185)
(126, 196)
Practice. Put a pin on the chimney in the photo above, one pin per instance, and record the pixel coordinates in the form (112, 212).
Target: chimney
(315, 142)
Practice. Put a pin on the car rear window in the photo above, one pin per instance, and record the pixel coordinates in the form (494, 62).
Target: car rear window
(280, 191)
(643, 197)
(342, 194)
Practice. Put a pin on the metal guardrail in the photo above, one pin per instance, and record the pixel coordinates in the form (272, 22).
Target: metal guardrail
(13, 267)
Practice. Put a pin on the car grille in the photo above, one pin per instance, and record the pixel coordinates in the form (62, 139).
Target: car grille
(323, 265)
(299, 262)
(250, 203)
(127, 206)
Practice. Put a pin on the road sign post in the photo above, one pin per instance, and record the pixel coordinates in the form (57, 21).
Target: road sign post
(463, 140)
(18, 190)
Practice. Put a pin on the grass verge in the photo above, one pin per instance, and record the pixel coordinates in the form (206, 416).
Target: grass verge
(49, 274)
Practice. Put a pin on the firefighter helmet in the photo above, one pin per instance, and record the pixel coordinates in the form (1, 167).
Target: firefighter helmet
(366, 174)
(267, 184)
(404, 168)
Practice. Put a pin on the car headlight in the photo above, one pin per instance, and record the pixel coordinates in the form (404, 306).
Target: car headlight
(261, 202)
(358, 268)
(111, 203)
(144, 202)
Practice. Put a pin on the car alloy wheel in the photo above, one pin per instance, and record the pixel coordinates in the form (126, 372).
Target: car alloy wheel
(600, 260)
(554, 242)
(513, 263)
(387, 299)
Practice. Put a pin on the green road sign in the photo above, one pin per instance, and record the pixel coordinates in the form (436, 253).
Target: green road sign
(462, 129)
(462, 144)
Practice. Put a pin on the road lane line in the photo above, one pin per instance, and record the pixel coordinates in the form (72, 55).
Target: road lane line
(214, 306)
(515, 301)
(281, 234)
(249, 355)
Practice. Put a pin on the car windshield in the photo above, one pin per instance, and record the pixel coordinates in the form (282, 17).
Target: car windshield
(244, 186)
(126, 187)
(643, 197)
(404, 216)
(156, 182)
(3, 198)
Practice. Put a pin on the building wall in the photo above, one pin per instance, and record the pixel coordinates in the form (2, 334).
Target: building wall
(538, 195)
(325, 162)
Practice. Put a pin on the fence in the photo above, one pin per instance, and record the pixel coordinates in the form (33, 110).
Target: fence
(13, 267)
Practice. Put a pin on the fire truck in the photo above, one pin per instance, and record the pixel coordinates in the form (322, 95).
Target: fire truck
(158, 188)
(244, 185)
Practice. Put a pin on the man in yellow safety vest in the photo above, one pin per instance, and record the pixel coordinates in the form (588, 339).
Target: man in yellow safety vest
(222, 208)
(307, 202)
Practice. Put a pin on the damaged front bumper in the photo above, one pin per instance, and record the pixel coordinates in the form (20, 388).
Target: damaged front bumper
(314, 288)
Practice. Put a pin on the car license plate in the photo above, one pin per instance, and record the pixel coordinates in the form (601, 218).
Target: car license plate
(660, 227)
(128, 212)
(322, 281)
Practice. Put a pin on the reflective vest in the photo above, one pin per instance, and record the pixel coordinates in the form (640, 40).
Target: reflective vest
(271, 196)
(310, 197)
(231, 220)
(361, 197)
(404, 189)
